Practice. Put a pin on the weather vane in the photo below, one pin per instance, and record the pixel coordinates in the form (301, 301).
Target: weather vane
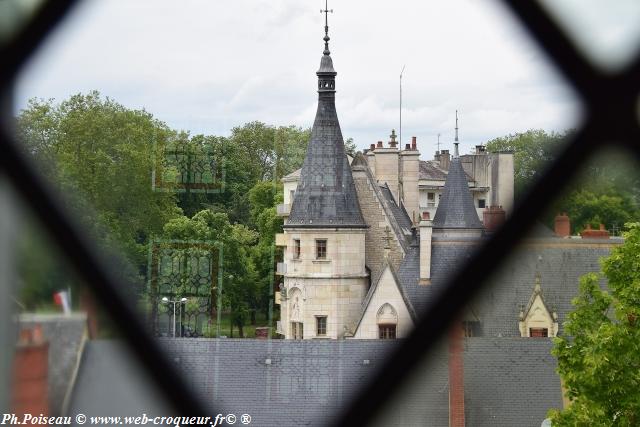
(326, 15)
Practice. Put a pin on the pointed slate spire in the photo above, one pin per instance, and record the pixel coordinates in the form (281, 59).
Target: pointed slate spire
(456, 209)
(326, 194)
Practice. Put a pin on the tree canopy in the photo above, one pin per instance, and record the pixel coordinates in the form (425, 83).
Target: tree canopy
(606, 191)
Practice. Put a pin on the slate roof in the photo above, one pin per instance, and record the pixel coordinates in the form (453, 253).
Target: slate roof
(326, 194)
(456, 209)
(445, 258)
(297, 383)
(398, 212)
(559, 262)
(428, 170)
(110, 382)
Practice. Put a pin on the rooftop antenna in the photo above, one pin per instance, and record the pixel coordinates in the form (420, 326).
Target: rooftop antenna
(326, 26)
(455, 152)
(402, 71)
(438, 144)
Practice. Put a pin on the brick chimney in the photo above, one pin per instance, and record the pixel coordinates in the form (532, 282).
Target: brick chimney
(562, 226)
(426, 231)
(30, 385)
(493, 217)
(588, 233)
(414, 144)
(456, 376)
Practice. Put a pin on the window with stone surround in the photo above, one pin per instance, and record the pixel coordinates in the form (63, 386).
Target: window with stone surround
(321, 248)
(482, 203)
(296, 248)
(387, 332)
(538, 332)
(321, 325)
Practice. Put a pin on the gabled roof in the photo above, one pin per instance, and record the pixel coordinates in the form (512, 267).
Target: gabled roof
(456, 209)
(374, 287)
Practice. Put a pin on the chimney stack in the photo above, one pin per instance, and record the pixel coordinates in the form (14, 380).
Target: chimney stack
(414, 145)
(562, 226)
(493, 217)
(30, 382)
(407, 146)
(588, 233)
(426, 232)
(445, 159)
(379, 144)
(372, 147)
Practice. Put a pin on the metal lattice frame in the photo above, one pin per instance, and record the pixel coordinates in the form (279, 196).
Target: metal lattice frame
(610, 104)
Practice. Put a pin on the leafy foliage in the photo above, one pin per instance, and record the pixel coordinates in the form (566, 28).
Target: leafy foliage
(606, 192)
(599, 359)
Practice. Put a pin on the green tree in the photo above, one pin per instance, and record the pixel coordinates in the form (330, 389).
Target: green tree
(240, 281)
(99, 155)
(350, 147)
(533, 150)
(599, 358)
(605, 192)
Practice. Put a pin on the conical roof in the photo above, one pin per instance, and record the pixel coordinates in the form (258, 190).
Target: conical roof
(456, 209)
(326, 194)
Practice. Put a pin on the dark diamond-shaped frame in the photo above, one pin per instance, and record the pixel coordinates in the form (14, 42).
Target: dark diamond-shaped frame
(610, 102)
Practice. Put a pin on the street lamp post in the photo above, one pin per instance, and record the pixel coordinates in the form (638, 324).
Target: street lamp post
(166, 300)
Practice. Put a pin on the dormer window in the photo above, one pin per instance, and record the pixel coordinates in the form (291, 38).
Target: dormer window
(536, 319)
(538, 332)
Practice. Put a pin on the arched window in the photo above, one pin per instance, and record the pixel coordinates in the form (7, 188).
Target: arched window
(387, 320)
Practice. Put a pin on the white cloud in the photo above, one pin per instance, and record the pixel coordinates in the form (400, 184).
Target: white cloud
(208, 66)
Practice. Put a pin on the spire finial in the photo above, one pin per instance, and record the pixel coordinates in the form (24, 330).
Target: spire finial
(455, 144)
(456, 125)
(326, 26)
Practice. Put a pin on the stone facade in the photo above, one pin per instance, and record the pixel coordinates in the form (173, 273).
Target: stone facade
(371, 204)
(333, 287)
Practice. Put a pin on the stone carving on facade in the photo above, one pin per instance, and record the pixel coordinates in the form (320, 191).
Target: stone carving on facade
(387, 314)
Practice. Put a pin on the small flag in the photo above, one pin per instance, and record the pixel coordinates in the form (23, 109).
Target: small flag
(61, 298)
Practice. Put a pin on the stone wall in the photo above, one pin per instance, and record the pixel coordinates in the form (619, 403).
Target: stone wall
(377, 220)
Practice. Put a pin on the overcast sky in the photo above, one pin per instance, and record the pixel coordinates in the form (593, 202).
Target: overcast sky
(206, 66)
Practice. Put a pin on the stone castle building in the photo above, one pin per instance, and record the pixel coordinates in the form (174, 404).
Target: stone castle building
(368, 241)
(367, 248)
